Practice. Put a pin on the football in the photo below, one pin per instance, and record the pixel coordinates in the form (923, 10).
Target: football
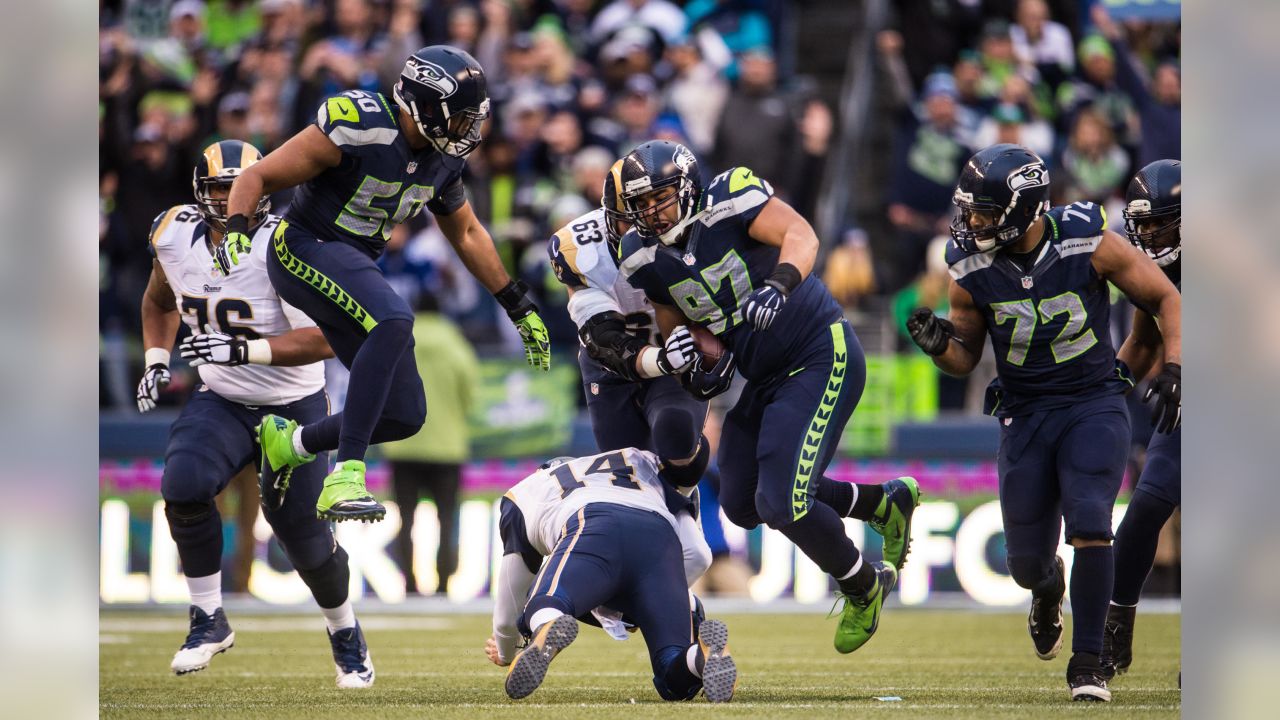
(708, 344)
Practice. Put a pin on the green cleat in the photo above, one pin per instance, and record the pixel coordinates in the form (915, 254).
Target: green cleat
(893, 519)
(275, 436)
(861, 614)
(344, 496)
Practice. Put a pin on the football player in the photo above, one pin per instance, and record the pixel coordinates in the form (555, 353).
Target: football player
(257, 357)
(365, 165)
(628, 373)
(617, 537)
(1153, 222)
(1035, 280)
(739, 260)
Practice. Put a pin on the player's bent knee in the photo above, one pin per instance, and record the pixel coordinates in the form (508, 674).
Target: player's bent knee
(308, 544)
(774, 513)
(676, 434)
(329, 581)
(189, 514)
(1030, 571)
(740, 508)
(187, 479)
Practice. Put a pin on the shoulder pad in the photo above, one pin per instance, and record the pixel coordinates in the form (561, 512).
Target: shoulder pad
(563, 253)
(355, 117)
(578, 247)
(1077, 220)
(179, 214)
(732, 193)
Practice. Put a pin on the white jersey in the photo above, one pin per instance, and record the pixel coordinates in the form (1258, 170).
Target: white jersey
(583, 261)
(548, 498)
(242, 304)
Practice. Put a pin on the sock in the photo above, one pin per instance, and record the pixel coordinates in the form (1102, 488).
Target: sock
(839, 496)
(860, 579)
(206, 592)
(1092, 575)
(372, 373)
(1136, 543)
(691, 660)
(321, 436)
(820, 535)
(343, 616)
(543, 616)
(299, 446)
(867, 501)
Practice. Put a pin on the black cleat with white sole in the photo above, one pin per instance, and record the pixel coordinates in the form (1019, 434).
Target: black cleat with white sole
(1117, 640)
(1086, 679)
(1044, 622)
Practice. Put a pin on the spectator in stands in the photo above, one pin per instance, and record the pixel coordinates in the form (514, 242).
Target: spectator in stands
(283, 21)
(768, 142)
(1043, 43)
(931, 149)
(1093, 166)
(430, 462)
(696, 93)
(1159, 105)
(662, 16)
(739, 25)
(232, 23)
(1096, 87)
(636, 111)
(590, 167)
(933, 32)
(345, 60)
(1009, 123)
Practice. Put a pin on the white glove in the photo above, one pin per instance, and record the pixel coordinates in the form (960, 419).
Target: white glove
(154, 378)
(214, 348)
(679, 352)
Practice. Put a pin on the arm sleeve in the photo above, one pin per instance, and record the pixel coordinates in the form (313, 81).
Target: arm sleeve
(515, 538)
(510, 588)
(697, 554)
(588, 302)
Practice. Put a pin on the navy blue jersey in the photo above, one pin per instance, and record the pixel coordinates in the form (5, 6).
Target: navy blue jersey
(1049, 327)
(380, 182)
(719, 266)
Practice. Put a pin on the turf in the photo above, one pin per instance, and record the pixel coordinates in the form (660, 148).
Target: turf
(946, 664)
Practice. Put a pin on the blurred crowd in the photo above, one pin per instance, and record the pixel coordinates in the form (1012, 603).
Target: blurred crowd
(577, 83)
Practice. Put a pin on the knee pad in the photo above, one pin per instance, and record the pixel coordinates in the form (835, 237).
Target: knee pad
(740, 508)
(689, 474)
(773, 513)
(307, 542)
(330, 581)
(675, 434)
(189, 479)
(1030, 571)
(189, 514)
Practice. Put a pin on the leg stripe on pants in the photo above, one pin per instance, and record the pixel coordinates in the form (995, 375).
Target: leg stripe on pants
(555, 579)
(320, 281)
(812, 449)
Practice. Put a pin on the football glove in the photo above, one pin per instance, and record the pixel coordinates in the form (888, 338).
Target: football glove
(930, 332)
(214, 348)
(706, 384)
(154, 378)
(1166, 388)
(533, 332)
(762, 306)
(679, 352)
(235, 242)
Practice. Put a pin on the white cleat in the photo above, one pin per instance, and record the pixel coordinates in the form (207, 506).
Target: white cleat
(209, 635)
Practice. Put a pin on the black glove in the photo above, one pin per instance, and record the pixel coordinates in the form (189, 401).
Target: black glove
(706, 384)
(1167, 390)
(930, 332)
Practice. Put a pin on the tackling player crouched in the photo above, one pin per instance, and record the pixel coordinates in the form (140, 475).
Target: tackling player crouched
(256, 356)
(584, 517)
(629, 374)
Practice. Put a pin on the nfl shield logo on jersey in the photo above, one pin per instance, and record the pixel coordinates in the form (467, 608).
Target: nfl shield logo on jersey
(1027, 282)
(413, 166)
(595, 388)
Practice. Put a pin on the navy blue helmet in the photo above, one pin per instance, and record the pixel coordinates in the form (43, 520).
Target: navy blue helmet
(1008, 186)
(444, 90)
(219, 165)
(1153, 211)
(651, 167)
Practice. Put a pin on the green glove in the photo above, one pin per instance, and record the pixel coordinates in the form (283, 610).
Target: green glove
(235, 242)
(533, 332)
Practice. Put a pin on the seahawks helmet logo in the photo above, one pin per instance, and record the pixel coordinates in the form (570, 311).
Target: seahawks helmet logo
(683, 159)
(431, 75)
(1031, 175)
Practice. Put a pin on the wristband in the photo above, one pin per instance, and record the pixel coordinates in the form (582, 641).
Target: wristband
(512, 296)
(259, 352)
(237, 224)
(785, 278)
(156, 356)
(647, 362)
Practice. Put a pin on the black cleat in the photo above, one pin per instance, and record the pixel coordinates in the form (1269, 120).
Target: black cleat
(1086, 679)
(1045, 619)
(530, 667)
(1117, 640)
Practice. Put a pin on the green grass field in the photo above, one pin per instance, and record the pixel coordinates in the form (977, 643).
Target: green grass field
(947, 664)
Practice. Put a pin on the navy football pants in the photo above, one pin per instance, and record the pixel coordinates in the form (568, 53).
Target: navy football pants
(599, 562)
(370, 329)
(213, 439)
(634, 414)
(1158, 493)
